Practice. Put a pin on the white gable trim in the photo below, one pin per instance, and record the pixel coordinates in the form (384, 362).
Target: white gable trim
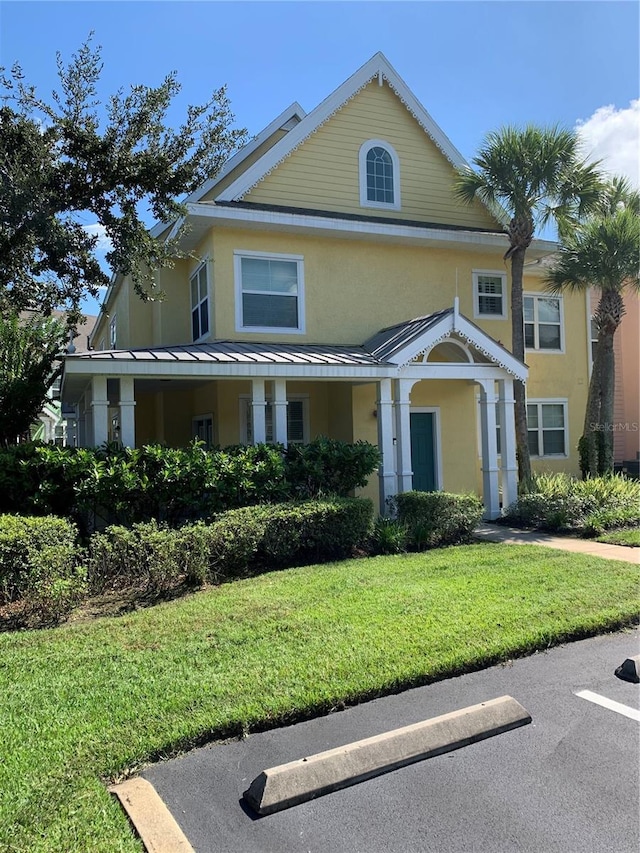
(454, 324)
(287, 120)
(377, 66)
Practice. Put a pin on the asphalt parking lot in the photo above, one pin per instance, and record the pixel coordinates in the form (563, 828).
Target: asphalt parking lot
(569, 782)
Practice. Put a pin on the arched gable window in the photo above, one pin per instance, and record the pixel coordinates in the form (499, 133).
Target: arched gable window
(379, 175)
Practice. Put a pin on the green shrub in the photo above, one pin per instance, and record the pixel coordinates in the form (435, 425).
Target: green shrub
(38, 565)
(559, 502)
(126, 486)
(147, 555)
(435, 519)
(389, 536)
(326, 466)
(252, 538)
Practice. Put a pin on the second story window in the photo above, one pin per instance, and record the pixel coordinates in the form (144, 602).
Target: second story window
(269, 292)
(379, 175)
(199, 303)
(489, 294)
(113, 333)
(543, 323)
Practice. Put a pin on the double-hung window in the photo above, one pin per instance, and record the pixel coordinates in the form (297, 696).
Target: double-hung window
(547, 427)
(269, 292)
(379, 175)
(489, 294)
(543, 323)
(202, 429)
(113, 332)
(199, 303)
(297, 420)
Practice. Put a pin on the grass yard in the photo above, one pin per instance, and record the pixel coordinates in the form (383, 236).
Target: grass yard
(91, 701)
(631, 538)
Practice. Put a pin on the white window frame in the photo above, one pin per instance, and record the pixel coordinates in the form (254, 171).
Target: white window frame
(113, 332)
(245, 400)
(551, 401)
(362, 157)
(477, 314)
(196, 272)
(536, 323)
(268, 256)
(194, 430)
(479, 428)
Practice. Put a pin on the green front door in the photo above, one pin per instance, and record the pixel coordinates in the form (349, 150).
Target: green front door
(423, 451)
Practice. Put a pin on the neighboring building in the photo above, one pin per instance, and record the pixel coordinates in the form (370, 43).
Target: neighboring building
(343, 290)
(626, 412)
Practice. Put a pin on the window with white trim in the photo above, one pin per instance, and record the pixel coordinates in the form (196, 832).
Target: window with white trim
(199, 303)
(269, 292)
(297, 420)
(547, 427)
(379, 175)
(202, 429)
(113, 332)
(543, 322)
(594, 340)
(489, 294)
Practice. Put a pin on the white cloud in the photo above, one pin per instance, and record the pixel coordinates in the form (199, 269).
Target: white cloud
(104, 243)
(613, 136)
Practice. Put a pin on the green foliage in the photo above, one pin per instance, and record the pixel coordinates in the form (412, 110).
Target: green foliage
(174, 485)
(558, 502)
(330, 467)
(28, 351)
(435, 519)
(389, 536)
(148, 555)
(38, 566)
(61, 159)
(240, 542)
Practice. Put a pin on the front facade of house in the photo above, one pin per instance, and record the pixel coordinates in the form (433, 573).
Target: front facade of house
(338, 288)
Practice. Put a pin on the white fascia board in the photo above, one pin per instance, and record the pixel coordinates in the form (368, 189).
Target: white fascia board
(292, 112)
(378, 66)
(492, 349)
(116, 278)
(154, 369)
(232, 216)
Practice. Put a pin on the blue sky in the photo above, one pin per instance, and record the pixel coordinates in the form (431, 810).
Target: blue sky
(474, 65)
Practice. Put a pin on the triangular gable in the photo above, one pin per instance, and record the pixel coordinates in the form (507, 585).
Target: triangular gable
(404, 342)
(377, 67)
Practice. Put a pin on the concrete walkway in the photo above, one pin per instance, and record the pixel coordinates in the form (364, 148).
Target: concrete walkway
(514, 536)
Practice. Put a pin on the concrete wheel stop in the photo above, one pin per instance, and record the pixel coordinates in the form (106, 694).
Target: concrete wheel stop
(629, 670)
(304, 779)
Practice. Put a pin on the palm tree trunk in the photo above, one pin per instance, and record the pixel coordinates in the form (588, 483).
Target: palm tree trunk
(517, 348)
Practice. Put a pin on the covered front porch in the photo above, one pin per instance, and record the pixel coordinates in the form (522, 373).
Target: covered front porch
(396, 390)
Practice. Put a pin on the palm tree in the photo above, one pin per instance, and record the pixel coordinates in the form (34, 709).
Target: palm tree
(603, 253)
(534, 175)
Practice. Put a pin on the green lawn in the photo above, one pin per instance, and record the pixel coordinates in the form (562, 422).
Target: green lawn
(631, 538)
(91, 701)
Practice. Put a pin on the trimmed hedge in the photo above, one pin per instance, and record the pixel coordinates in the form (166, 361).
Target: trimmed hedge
(435, 519)
(38, 565)
(237, 543)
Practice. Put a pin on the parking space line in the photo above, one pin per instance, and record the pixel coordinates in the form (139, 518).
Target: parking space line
(618, 707)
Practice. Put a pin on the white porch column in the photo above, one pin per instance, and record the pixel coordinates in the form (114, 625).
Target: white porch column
(508, 442)
(258, 410)
(403, 433)
(127, 412)
(99, 410)
(490, 487)
(280, 411)
(387, 469)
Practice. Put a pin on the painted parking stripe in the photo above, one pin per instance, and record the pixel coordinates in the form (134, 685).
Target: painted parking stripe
(618, 707)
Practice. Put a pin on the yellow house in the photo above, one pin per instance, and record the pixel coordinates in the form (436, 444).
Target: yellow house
(339, 288)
